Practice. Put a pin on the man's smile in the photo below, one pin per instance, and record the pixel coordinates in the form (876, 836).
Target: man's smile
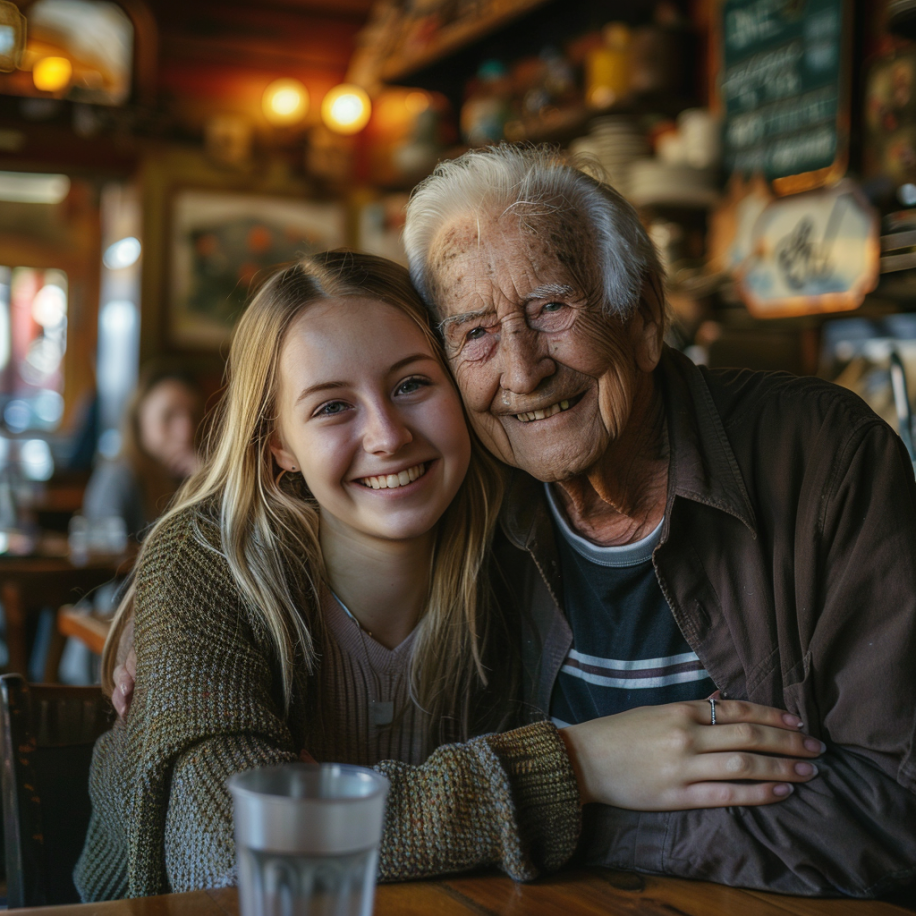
(542, 414)
(545, 413)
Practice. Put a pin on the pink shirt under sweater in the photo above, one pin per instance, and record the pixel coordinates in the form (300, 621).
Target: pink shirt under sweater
(367, 713)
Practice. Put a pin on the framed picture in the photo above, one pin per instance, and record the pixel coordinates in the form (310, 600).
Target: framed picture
(381, 225)
(220, 243)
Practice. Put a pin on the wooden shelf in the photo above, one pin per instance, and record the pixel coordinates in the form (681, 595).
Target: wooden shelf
(456, 37)
(561, 125)
(513, 30)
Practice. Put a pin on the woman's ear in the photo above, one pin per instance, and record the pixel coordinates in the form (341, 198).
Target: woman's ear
(282, 455)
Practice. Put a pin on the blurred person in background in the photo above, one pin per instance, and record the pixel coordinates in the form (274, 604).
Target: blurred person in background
(157, 452)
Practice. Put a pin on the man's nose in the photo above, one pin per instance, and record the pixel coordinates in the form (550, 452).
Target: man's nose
(525, 361)
(385, 431)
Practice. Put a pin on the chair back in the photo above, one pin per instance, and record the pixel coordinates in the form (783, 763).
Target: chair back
(47, 733)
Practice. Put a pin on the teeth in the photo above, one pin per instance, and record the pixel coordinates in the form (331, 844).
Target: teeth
(543, 414)
(393, 481)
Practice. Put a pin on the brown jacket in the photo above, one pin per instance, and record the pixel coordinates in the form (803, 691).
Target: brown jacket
(788, 558)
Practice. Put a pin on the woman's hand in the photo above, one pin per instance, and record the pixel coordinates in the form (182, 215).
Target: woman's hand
(670, 758)
(124, 677)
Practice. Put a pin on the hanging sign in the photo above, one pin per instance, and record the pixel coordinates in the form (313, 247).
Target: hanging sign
(785, 90)
(810, 253)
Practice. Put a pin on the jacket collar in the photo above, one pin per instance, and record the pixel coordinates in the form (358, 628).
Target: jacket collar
(703, 466)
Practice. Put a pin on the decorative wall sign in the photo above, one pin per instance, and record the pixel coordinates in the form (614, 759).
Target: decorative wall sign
(890, 117)
(785, 90)
(813, 252)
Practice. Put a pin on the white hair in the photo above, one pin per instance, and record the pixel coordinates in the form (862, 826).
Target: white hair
(541, 186)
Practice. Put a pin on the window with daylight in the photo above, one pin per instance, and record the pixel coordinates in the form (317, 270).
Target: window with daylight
(33, 342)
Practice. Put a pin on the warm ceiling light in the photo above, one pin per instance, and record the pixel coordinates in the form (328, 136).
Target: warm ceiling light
(51, 74)
(346, 109)
(285, 101)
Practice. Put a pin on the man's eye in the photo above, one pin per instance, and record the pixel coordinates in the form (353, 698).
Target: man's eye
(553, 306)
(476, 334)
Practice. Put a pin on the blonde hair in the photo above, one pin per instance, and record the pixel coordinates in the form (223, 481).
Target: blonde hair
(268, 522)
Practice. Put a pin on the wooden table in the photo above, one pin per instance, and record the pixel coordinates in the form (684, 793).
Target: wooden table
(586, 891)
(84, 625)
(48, 577)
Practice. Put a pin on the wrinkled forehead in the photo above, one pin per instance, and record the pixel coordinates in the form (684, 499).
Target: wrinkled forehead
(477, 261)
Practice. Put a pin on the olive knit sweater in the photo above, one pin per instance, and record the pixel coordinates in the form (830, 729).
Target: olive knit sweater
(207, 704)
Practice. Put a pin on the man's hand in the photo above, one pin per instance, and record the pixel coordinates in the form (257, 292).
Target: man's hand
(124, 677)
(670, 758)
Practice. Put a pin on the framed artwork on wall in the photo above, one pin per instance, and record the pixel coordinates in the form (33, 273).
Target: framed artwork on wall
(381, 225)
(221, 242)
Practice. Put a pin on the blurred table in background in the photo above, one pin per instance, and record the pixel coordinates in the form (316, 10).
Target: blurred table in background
(589, 891)
(39, 572)
(85, 625)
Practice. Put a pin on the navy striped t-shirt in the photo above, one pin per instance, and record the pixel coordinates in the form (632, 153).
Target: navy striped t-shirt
(627, 649)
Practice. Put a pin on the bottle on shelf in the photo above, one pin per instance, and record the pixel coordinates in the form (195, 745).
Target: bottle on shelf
(488, 105)
(607, 67)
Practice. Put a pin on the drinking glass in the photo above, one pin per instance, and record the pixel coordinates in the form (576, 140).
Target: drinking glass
(307, 838)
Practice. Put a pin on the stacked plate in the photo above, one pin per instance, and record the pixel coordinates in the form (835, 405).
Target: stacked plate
(615, 141)
(654, 183)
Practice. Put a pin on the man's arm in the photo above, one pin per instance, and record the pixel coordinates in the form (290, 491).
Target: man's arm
(852, 830)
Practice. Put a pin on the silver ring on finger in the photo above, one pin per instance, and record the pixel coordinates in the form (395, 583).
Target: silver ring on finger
(712, 710)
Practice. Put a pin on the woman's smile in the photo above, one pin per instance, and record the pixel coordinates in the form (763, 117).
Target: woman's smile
(395, 480)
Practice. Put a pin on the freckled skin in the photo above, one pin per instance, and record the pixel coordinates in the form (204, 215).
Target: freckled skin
(608, 452)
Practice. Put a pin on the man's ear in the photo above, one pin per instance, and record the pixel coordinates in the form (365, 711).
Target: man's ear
(647, 326)
(282, 455)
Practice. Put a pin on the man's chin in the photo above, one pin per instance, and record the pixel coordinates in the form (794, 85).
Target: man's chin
(550, 467)
(549, 458)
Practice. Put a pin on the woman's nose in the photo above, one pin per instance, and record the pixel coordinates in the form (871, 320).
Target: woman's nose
(385, 431)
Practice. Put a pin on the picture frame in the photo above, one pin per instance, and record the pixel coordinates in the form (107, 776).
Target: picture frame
(221, 242)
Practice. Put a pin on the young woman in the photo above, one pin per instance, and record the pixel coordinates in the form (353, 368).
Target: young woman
(321, 590)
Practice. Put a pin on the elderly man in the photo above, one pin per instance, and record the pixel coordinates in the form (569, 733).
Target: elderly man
(674, 532)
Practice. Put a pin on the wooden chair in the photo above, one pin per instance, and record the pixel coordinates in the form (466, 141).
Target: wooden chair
(47, 733)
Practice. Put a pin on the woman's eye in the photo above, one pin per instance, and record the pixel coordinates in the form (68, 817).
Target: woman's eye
(553, 307)
(331, 409)
(408, 386)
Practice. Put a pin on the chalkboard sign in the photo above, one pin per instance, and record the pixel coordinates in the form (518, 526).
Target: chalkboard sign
(784, 90)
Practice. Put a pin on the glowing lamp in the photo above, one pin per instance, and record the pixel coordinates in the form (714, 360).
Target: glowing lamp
(51, 74)
(285, 102)
(346, 109)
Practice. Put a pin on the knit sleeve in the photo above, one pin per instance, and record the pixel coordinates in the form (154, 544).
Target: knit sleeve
(205, 706)
(509, 800)
(199, 843)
